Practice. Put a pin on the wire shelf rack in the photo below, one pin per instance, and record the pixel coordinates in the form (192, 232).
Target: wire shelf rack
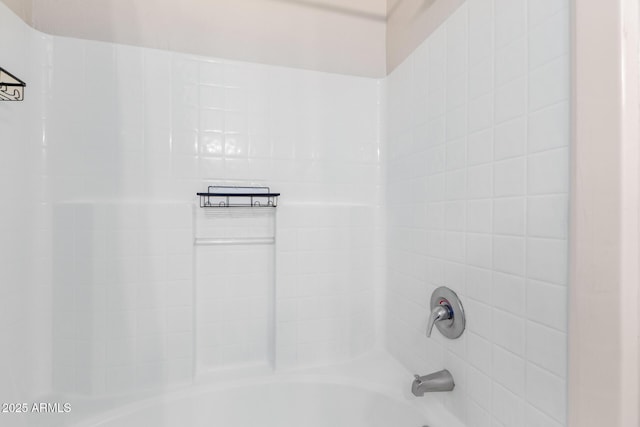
(220, 196)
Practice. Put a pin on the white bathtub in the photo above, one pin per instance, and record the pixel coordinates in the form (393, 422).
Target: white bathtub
(368, 393)
(281, 404)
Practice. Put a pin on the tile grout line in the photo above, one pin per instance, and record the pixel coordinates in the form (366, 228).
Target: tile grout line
(526, 202)
(492, 163)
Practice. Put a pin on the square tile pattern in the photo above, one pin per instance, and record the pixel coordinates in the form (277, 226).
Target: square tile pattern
(451, 171)
(483, 208)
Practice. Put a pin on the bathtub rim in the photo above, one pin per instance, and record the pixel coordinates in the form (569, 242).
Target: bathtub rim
(430, 407)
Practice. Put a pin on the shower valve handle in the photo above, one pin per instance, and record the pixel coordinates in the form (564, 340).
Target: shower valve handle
(447, 313)
(439, 313)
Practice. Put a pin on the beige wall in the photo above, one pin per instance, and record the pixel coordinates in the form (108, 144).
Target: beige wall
(409, 23)
(603, 327)
(360, 37)
(22, 8)
(341, 36)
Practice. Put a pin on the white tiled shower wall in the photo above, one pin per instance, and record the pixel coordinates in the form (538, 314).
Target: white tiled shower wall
(477, 177)
(106, 124)
(235, 288)
(329, 268)
(136, 123)
(24, 294)
(129, 123)
(122, 296)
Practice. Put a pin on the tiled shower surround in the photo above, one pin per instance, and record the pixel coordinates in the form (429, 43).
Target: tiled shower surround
(133, 124)
(451, 171)
(122, 296)
(477, 199)
(123, 134)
